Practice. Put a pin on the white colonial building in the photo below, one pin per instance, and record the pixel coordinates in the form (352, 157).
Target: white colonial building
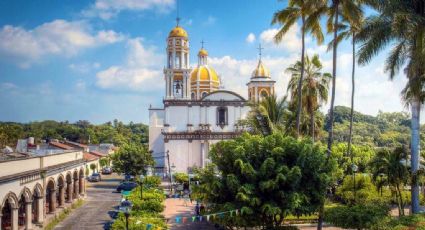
(196, 111)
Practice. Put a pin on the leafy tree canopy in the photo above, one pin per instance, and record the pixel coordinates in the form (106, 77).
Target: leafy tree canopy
(132, 159)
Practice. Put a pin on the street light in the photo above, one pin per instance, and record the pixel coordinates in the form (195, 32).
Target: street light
(141, 186)
(354, 168)
(126, 208)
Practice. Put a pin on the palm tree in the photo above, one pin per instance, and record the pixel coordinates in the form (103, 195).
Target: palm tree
(299, 9)
(315, 87)
(269, 114)
(400, 23)
(348, 30)
(389, 164)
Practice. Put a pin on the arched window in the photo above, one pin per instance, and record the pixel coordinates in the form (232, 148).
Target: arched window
(204, 94)
(264, 94)
(192, 95)
(169, 59)
(222, 116)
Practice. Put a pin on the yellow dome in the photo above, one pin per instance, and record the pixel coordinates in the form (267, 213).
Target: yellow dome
(261, 71)
(205, 73)
(203, 52)
(178, 32)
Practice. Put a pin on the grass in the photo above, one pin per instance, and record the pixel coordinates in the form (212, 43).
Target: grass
(62, 215)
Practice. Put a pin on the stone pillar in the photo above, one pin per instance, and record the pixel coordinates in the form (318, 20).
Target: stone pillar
(40, 209)
(14, 217)
(61, 195)
(81, 184)
(69, 192)
(76, 189)
(52, 200)
(28, 215)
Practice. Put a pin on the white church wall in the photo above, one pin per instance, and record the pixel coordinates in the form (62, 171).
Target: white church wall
(184, 154)
(156, 140)
(222, 95)
(177, 118)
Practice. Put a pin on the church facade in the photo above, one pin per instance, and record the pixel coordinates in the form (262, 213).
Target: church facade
(197, 112)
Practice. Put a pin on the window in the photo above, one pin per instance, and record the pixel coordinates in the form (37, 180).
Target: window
(264, 94)
(192, 95)
(204, 94)
(222, 116)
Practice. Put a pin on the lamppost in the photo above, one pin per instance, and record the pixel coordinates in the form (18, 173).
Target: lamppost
(142, 177)
(126, 208)
(381, 175)
(354, 168)
(172, 168)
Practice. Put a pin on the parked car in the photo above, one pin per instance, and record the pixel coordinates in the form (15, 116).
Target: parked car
(128, 177)
(126, 186)
(95, 177)
(106, 170)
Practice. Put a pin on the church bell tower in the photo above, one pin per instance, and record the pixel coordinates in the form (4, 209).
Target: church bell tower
(177, 71)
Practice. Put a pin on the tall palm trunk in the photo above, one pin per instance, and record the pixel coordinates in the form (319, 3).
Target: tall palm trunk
(331, 110)
(350, 136)
(334, 55)
(312, 124)
(415, 148)
(301, 77)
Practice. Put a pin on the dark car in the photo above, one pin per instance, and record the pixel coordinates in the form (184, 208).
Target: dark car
(95, 177)
(126, 186)
(106, 170)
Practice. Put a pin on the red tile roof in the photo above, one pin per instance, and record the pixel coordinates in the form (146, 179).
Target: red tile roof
(99, 154)
(60, 145)
(76, 144)
(89, 156)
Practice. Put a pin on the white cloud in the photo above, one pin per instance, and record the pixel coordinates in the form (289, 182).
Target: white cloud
(250, 38)
(107, 9)
(7, 86)
(80, 85)
(58, 37)
(142, 70)
(210, 21)
(291, 41)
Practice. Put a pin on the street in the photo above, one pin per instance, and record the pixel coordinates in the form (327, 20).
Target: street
(94, 214)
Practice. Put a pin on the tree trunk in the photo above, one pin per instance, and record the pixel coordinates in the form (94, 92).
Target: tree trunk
(334, 56)
(312, 124)
(331, 110)
(414, 150)
(299, 101)
(350, 136)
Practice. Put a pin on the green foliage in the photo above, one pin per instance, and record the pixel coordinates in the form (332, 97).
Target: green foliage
(181, 177)
(361, 216)
(104, 161)
(93, 167)
(416, 221)
(132, 159)
(80, 131)
(361, 155)
(152, 181)
(365, 191)
(267, 178)
(147, 210)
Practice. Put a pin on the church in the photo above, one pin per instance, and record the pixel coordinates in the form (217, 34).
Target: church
(197, 111)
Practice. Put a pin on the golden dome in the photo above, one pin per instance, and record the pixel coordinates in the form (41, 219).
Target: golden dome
(203, 52)
(204, 73)
(178, 32)
(261, 71)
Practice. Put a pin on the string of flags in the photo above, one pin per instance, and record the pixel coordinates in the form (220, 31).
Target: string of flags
(185, 219)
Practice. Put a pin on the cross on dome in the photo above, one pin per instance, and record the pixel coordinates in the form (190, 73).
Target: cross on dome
(259, 50)
(202, 44)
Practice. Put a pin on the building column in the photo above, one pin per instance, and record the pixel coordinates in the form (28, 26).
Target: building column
(69, 192)
(40, 209)
(61, 195)
(14, 219)
(76, 189)
(256, 94)
(52, 199)
(81, 185)
(202, 154)
(28, 215)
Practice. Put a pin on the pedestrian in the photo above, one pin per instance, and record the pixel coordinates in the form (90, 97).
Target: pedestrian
(197, 209)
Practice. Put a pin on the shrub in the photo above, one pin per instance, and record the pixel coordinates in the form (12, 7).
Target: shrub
(152, 181)
(139, 221)
(181, 177)
(148, 205)
(416, 221)
(358, 216)
(366, 192)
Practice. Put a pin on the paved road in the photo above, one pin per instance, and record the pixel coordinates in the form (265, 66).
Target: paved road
(101, 199)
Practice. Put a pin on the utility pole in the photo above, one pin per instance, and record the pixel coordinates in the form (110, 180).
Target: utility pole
(169, 171)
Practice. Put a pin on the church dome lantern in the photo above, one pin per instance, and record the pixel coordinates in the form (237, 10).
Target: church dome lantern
(203, 78)
(178, 32)
(261, 71)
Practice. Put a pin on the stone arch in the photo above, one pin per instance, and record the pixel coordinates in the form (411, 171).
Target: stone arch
(9, 211)
(38, 190)
(37, 204)
(69, 187)
(12, 199)
(50, 195)
(26, 193)
(264, 93)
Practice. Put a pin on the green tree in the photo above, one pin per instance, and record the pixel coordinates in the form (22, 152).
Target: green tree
(93, 167)
(298, 9)
(389, 163)
(315, 87)
(132, 158)
(273, 110)
(267, 178)
(104, 161)
(402, 25)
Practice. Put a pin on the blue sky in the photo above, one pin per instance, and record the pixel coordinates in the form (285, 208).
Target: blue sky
(102, 59)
